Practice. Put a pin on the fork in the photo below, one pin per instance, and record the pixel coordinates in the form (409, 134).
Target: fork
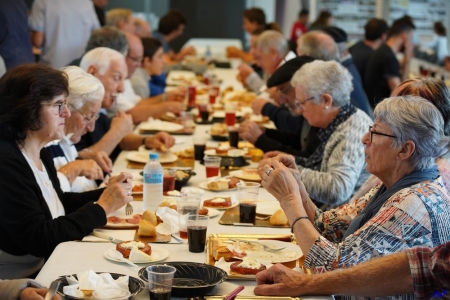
(266, 248)
(128, 209)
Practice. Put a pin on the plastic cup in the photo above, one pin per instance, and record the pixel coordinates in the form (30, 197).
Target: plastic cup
(199, 147)
(187, 119)
(212, 165)
(169, 180)
(230, 114)
(247, 196)
(196, 227)
(186, 206)
(233, 136)
(160, 279)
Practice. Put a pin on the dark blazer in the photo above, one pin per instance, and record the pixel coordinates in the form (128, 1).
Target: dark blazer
(26, 225)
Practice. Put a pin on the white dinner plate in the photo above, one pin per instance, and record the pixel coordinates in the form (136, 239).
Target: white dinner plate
(158, 254)
(290, 253)
(267, 207)
(204, 185)
(160, 126)
(143, 156)
(182, 78)
(240, 174)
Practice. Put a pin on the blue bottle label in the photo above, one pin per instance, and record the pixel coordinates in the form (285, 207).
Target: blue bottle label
(153, 178)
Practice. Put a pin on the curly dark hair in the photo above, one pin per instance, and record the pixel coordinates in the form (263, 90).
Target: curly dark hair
(23, 90)
(171, 21)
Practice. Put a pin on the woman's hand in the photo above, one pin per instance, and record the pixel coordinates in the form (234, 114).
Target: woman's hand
(160, 139)
(176, 95)
(271, 154)
(82, 167)
(117, 193)
(278, 180)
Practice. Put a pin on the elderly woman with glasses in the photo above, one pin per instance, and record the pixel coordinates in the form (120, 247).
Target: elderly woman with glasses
(410, 208)
(36, 215)
(435, 91)
(84, 101)
(336, 168)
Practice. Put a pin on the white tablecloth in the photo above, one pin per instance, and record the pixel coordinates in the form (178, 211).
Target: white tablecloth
(73, 257)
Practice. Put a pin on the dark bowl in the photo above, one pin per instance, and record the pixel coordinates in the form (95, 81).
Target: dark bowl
(135, 285)
(231, 161)
(220, 138)
(180, 183)
(192, 279)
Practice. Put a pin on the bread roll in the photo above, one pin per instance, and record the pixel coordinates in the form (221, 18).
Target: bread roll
(279, 218)
(164, 203)
(222, 251)
(218, 185)
(146, 228)
(150, 216)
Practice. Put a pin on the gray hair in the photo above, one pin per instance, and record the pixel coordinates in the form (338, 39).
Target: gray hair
(83, 87)
(271, 39)
(101, 58)
(109, 37)
(318, 45)
(320, 77)
(416, 119)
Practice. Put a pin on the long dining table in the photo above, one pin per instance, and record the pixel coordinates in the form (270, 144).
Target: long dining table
(76, 256)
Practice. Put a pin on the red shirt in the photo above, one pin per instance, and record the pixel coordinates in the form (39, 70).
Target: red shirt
(297, 30)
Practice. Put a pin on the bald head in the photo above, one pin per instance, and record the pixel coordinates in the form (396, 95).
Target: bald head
(318, 45)
(135, 53)
(142, 28)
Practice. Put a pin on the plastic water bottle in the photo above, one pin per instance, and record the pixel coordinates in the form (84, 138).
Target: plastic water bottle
(208, 54)
(153, 183)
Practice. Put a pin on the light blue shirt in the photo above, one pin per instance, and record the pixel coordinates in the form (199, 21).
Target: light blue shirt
(67, 26)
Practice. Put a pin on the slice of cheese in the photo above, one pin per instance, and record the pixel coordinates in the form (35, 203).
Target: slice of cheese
(137, 256)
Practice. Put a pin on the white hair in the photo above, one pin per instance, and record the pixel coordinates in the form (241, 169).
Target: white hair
(417, 119)
(101, 58)
(272, 39)
(320, 77)
(83, 87)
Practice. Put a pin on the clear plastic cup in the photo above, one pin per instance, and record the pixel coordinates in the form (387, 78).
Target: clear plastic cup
(186, 206)
(160, 279)
(248, 196)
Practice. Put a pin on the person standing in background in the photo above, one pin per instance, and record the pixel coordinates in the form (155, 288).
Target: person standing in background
(375, 35)
(439, 44)
(300, 26)
(15, 43)
(62, 29)
(324, 19)
(99, 11)
(122, 19)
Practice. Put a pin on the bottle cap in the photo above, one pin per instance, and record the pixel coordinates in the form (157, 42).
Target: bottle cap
(153, 156)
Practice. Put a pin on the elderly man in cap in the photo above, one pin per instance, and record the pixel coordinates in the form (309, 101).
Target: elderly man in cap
(301, 141)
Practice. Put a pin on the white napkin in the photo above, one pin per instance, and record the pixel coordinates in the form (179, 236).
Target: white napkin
(89, 280)
(124, 235)
(170, 221)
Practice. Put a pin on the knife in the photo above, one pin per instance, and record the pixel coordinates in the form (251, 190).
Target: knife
(106, 237)
(52, 290)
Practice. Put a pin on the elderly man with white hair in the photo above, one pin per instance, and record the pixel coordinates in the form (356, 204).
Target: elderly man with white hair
(272, 50)
(110, 68)
(84, 101)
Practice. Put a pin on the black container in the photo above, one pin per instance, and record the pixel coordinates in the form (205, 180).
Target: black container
(192, 279)
(135, 286)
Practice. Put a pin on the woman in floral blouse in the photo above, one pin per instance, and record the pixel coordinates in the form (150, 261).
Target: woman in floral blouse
(411, 207)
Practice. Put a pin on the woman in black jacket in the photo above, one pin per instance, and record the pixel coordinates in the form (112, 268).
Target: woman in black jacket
(35, 215)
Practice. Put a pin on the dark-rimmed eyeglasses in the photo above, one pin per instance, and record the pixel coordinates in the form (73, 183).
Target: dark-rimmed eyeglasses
(298, 103)
(136, 60)
(60, 104)
(87, 119)
(372, 132)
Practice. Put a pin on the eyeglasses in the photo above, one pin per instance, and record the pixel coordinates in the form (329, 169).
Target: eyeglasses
(60, 104)
(87, 120)
(379, 133)
(136, 60)
(298, 103)
(285, 91)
